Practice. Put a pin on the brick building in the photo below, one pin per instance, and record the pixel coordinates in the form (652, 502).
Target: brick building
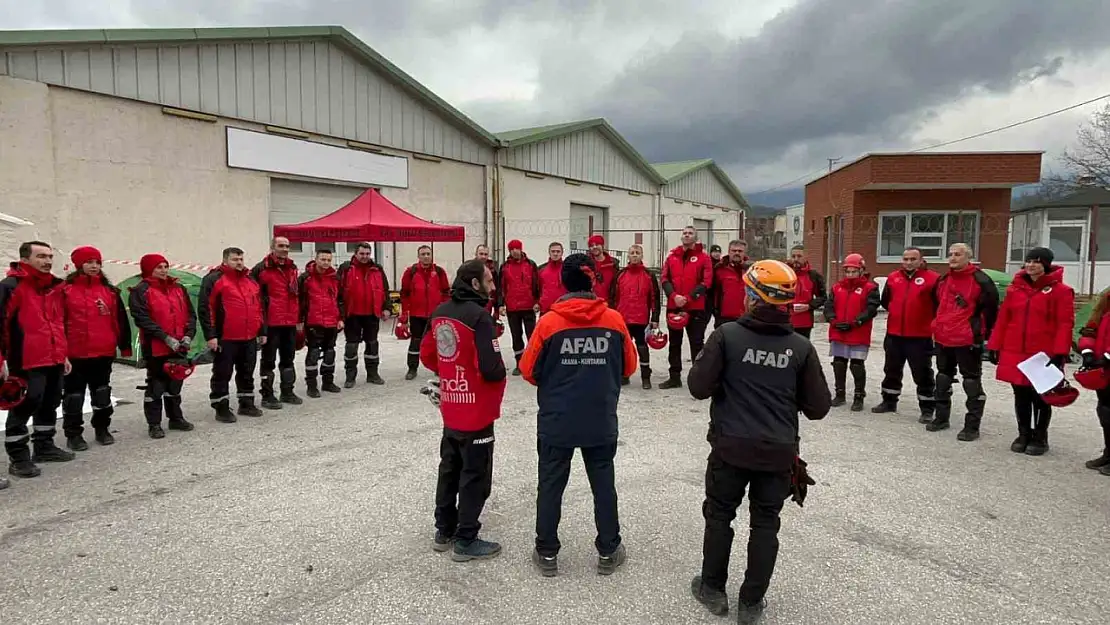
(880, 204)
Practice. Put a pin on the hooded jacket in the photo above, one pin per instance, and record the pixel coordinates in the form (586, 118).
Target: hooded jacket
(32, 306)
(577, 357)
(96, 319)
(229, 306)
(319, 296)
(423, 289)
(363, 289)
(277, 281)
(1035, 316)
(635, 295)
(607, 269)
(161, 308)
(689, 273)
(519, 284)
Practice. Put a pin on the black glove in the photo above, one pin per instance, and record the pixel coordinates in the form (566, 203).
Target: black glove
(1090, 361)
(800, 481)
(992, 356)
(843, 326)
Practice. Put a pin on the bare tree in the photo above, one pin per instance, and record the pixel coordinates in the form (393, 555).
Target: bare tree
(1088, 162)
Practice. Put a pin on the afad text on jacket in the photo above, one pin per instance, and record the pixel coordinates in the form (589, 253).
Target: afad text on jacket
(910, 298)
(1035, 316)
(728, 289)
(277, 279)
(363, 289)
(810, 290)
(32, 306)
(461, 347)
(854, 301)
(423, 289)
(687, 272)
(607, 268)
(519, 283)
(96, 319)
(634, 293)
(550, 277)
(319, 296)
(229, 306)
(967, 305)
(161, 308)
(577, 356)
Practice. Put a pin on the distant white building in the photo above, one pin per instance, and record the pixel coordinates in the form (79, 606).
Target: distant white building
(795, 225)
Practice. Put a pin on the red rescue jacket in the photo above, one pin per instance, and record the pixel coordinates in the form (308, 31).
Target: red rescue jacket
(32, 304)
(855, 301)
(278, 282)
(911, 302)
(607, 268)
(520, 286)
(363, 289)
(319, 296)
(729, 289)
(634, 292)
(967, 305)
(550, 277)
(96, 319)
(1095, 336)
(161, 308)
(1034, 317)
(809, 290)
(688, 273)
(229, 306)
(422, 289)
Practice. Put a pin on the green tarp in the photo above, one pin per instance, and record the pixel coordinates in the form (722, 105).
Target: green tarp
(192, 286)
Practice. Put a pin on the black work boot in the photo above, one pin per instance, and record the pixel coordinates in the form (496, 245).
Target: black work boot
(927, 412)
(1101, 461)
(626, 381)
(840, 382)
(968, 433)
(156, 431)
(443, 543)
(607, 565)
(1105, 470)
(270, 402)
(675, 381)
(291, 398)
(937, 424)
(174, 417)
(329, 384)
(857, 402)
(349, 379)
(548, 565)
(24, 468)
(1038, 443)
(645, 378)
(372, 374)
(180, 425)
(410, 374)
(104, 437)
(1025, 433)
(516, 370)
(76, 443)
(47, 451)
(312, 389)
(715, 601)
(223, 411)
(749, 613)
(247, 407)
(288, 380)
(477, 549)
(889, 403)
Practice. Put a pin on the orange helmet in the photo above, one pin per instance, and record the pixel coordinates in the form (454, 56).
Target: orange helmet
(771, 281)
(853, 261)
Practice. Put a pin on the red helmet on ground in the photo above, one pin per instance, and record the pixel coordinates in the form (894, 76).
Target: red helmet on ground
(656, 338)
(12, 392)
(178, 369)
(401, 331)
(1094, 379)
(853, 261)
(677, 320)
(498, 328)
(1063, 395)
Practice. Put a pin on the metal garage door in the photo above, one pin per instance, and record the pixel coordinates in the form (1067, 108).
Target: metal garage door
(705, 232)
(584, 221)
(294, 202)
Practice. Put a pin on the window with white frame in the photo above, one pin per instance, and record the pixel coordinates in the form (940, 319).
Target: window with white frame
(930, 231)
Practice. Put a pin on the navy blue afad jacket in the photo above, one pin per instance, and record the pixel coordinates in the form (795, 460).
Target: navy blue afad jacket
(576, 357)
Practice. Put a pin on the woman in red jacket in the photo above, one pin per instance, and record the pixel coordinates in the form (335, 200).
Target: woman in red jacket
(1037, 315)
(1094, 345)
(850, 310)
(96, 326)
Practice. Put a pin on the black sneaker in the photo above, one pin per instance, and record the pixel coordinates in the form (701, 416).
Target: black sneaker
(104, 437)
(330, 387)
(672, 382)
(1020, 444)
(607, 565)
(884, 408)
(548, 565)
(749, 614)
(442, 543)
(271, 403)
(476, 549)
(76, 443)
(1104, 470)
(967, 435)
(156, 431)
(181, 425)
(52, 453)
(714, 600)
(291, 399)
(24, 468)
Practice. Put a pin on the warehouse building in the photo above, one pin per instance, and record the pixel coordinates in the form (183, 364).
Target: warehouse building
(187, 141)
(701, 194)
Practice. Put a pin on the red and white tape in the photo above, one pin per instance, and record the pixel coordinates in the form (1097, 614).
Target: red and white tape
(135, 263)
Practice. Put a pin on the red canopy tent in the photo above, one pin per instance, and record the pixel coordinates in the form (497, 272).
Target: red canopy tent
(370, 217)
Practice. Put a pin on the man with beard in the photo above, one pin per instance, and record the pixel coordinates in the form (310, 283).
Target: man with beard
(810, 293)
(495, 306)
(728, 284)
(519, 285)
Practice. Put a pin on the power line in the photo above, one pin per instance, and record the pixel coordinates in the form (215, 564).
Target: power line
(954, 141)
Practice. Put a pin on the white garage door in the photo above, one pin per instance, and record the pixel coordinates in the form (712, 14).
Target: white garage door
(294, 202)
(584, 221)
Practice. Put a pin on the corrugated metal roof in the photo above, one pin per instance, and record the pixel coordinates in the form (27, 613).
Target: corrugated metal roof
(524, 136)
(336, 34)
(678, 169)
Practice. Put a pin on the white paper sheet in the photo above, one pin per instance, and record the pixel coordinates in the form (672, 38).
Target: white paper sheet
(1041, 374)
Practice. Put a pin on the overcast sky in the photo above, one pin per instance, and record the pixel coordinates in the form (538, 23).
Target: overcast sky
(768, 88)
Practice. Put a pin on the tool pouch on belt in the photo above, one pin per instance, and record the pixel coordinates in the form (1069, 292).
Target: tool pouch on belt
(800, 481)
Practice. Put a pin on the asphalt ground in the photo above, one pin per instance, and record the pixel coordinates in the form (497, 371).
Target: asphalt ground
(324, 515)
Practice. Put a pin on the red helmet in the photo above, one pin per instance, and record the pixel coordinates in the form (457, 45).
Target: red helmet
(1095, 378)
(656, 338)
(498, 328)
(401, 331)
(853, 261)
(12, 392)
(1063, 395)
(677, 320)
(178, 369)
(300, 340)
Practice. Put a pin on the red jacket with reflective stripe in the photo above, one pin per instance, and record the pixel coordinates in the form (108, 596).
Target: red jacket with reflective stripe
(635, 294)
(1034, 317)
(96, 319)
(422, 289)
(319, 296)
(687, 272)
(33, 307)
(278, 282)
(519, 284)
(911, 302)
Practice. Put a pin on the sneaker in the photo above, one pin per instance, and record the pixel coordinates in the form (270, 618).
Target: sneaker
(714, 600)
(1104, 470)
(442, 543)
(156, 431)
(607, 565)
(180, 425)
(24, 468)
(548, 565)
(52, 453)
(76, 443)
(476, 549)
(104, 437)
(749, 614)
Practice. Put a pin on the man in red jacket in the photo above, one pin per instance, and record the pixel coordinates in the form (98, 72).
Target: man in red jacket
(908, 296)
(495, 305)
(363, 303)
(424, 286)
(967, 306)
(810, 294)
(687, 276)
(635, 295)
(229, 308)
(33, 345)
(550, 277)
(728, 284)
(276, 275)
(519, 286)
(319, 291)
(607, 266)
(96, 327)
(461, 348)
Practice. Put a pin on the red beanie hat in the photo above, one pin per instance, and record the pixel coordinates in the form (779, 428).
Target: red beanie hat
(515, 244)
(148, 262)
(84, 254)
(596, 239)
